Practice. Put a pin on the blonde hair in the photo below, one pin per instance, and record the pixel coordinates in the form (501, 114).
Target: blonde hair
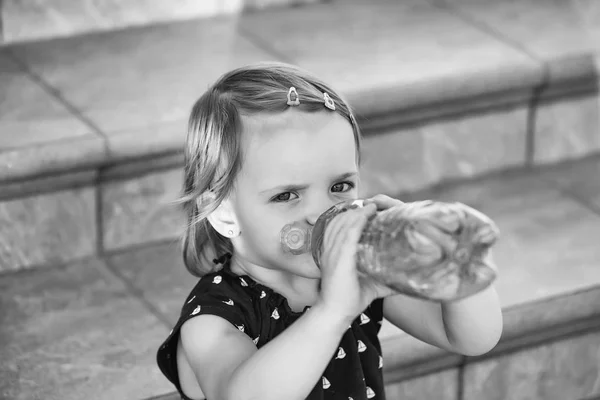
(213, 154)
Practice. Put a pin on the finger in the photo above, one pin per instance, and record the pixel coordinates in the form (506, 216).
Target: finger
(344, 217)
(339, 247)
(369, 209)
(378, 289)
(346, 242)
(338, 227)
(345, 227)
(357, 225)
(349, 218)
(383, 202)
(382, 291)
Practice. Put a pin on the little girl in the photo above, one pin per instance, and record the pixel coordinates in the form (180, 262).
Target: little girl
(269, 145)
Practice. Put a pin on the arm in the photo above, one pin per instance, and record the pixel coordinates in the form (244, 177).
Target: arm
(228, 366)
(471, 326)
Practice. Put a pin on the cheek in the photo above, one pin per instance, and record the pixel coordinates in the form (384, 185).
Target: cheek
(262, 232)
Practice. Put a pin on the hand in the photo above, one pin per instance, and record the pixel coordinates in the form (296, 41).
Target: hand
(343, 292)
(382, 202)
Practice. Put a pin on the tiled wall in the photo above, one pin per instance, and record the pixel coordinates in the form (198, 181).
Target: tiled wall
(411, 158)
(566, 128)
(439, 386)
(131, 209)
(565, 369)
(141, 210)
(47, 229)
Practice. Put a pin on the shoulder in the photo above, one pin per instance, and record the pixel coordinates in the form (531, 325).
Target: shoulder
(211, 349)
(220, 294)
(208, 332)
(227, 316)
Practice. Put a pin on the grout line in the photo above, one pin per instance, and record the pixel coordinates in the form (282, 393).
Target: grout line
(2, 14)
(556, 333)
(166, 396)
(45, 265)
(532, 112)
(517, 308)
(98, 211)
(460, 385)
(536, 92)
(530, 130)
(550, 335)
(55, 93)
(582, 201)
(593, 397)
(263, 45)
(137, 293)
(482, 26)
(141, 246)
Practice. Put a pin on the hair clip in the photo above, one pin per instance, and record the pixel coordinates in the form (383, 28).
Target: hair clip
(293, 98)
(329, 102)
(223, 259)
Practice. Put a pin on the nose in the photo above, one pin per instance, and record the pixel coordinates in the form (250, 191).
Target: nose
(319, 207)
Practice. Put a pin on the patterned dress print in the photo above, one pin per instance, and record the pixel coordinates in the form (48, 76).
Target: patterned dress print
(355, 370)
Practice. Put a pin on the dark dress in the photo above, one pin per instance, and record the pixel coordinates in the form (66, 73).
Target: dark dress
(355, 370)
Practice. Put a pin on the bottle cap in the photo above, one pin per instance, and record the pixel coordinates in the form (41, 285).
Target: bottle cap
(295, 239)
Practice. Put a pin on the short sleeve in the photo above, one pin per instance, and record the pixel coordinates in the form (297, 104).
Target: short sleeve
(215, 294)
(220, 299)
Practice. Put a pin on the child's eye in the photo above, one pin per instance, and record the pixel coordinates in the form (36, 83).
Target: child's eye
(278, 199)
(284, 197)
(350, 185)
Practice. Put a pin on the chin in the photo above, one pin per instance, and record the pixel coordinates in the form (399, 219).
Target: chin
(302, 265)
(310, 269)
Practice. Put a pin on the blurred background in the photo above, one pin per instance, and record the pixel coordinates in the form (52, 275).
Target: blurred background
(493, 103)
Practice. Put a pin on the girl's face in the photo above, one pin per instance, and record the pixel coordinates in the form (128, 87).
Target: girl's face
(296, 166)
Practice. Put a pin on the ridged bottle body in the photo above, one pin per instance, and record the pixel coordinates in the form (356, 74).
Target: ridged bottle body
(430, 250)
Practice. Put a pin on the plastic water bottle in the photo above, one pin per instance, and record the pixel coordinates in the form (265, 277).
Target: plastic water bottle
(426, 249)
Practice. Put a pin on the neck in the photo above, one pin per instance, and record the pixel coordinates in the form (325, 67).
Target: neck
(299, 291)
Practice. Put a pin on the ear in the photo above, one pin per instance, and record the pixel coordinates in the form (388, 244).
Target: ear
(224, 221)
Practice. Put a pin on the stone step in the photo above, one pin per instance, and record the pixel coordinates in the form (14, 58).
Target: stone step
(23, 21)
(90, 329)
(92, 127)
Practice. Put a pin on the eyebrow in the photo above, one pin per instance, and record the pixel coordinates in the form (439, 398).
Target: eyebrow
(291, 187)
